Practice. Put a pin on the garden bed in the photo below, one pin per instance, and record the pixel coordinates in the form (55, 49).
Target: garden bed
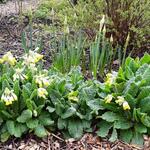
(59, 96)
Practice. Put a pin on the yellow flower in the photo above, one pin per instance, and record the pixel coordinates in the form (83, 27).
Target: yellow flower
(126, 105)
(8, 57)
(8, 96)
(108, 98)
(32, 58)
(110, 78)
(19, 74)
(120, 100)
(42, 93)
(73, 96)
(42, 80)
(1, 60)
(37, 57)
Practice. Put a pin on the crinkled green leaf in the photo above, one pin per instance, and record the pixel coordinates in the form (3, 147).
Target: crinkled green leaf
(140, 128)
(32, 123)
(104, 128)
(10, 127)
(126, 135)
(110, 116)
(114, 136)
(69, 112)
(25, 115)
(40, 131)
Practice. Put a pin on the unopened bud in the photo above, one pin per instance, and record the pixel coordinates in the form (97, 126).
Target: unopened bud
(52, 12)
(102, 22)
(111, 39)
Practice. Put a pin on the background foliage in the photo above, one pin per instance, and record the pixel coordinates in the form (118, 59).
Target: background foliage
(123, 17)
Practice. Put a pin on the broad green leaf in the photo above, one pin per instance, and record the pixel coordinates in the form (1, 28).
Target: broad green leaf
(95, 104)
(40, 131)
(19, 129)
(6, 114)
(146, 120)
(140, 128)
(145, 59)
(4, 136)
(46, 121)
(75, 128)
(114, 136)
(10, 127)
(126, 135)
(104, 128)
(122, 124)
(69, 112)
(25, 115)
(144, 104)
(110, 116)
(144, 92)
(32, 123)
(61, 123)
(50, 109)
(137, 139)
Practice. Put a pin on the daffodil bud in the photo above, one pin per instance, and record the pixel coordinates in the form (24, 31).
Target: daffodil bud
(111, 38)
(102, 22)
(52, 12)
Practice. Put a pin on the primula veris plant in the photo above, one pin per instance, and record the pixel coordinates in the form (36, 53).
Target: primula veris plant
(127, 103)
(37, 100)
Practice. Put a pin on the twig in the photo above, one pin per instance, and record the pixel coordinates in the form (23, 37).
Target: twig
(57, 137)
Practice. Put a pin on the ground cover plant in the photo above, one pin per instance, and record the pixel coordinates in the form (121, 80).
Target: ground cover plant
(38, 100)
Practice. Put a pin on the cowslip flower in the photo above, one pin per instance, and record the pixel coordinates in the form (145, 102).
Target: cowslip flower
(1, 60)
(8, 97)
(120, 100)
(42, 80)
(32, 58)
(126, 105)
(110, 78)
(19, 74)
(42, 93)
(108, 98)
(72, 96)
(8, 57)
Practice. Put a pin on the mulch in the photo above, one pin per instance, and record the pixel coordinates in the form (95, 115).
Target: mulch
(56, 142)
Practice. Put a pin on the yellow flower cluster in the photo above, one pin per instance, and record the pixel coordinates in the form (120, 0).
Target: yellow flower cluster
(110, 78)
(19, 74)
(42, 93)
(108, 98)
(121, 101)
(8, 58)
(72, 96)
(32, 58)
(42, 80)
(8, 96)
